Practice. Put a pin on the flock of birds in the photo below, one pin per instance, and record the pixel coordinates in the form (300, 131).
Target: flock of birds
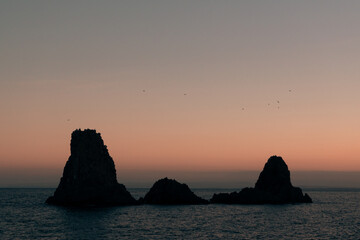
(278, 102)
(243, 109)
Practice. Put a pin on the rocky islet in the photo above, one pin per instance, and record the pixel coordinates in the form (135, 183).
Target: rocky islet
(89, 176)
(272, 187)
(89, 179)
(170, 192)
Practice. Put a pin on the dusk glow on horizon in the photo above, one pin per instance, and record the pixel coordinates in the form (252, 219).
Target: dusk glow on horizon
(185, 85)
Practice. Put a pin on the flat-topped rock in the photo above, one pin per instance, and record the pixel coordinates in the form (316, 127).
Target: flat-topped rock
(273, 186)
(169, 192)
(89, 176)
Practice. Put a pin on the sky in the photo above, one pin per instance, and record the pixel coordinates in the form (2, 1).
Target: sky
(180, 86)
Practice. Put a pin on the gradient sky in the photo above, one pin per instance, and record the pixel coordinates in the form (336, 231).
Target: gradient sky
(217, 77)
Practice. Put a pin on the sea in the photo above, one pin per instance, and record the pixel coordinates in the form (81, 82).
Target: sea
(335, 214)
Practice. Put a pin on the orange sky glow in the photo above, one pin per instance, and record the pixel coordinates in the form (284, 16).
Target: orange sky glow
(205, 86)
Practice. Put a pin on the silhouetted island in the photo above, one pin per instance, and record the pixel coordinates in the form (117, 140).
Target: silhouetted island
(170, 192)
(89, 176)
(272, 187)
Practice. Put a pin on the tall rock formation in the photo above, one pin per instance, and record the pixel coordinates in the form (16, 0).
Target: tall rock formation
(89, 176)
(273, 186)
(169, 192)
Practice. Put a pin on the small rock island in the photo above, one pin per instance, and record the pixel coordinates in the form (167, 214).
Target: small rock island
(89, 177)
(170, 192)
(272, 187)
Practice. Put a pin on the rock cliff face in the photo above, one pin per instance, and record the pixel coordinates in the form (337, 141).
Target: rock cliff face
(89, 176)
(168, 191)
(273, 186)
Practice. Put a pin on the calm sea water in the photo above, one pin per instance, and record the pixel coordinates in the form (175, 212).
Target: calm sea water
(333, 215)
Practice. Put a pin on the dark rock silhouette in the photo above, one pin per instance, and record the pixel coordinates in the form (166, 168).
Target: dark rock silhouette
(89, 176)
(273, 187)
(169, 192)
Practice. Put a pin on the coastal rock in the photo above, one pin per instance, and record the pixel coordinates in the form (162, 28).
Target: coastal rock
(273, 186)
(89, 176)
(170, 192)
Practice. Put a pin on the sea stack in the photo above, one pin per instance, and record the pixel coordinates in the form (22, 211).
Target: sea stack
(272, 187)
(89, 177)
(170, 192)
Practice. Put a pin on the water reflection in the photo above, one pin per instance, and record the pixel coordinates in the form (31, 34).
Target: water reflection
(24, 215)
